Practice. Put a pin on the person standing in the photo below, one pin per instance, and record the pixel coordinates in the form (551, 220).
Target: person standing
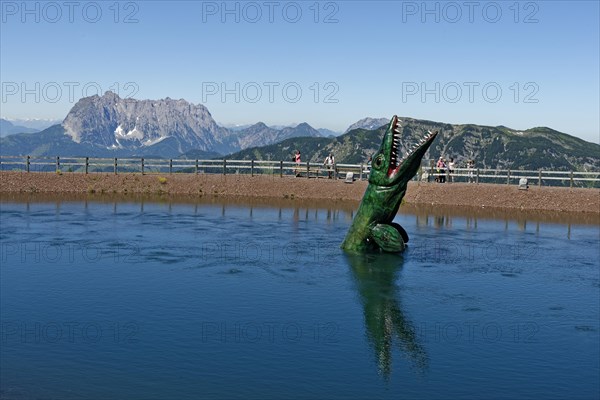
(329, 163)
(298, 161)
(471, 166)
(441, 169)
(450, 170)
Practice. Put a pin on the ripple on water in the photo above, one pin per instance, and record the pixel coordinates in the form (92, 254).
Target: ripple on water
(125, 214)
(231, 271)
(163, 260)
(76, 223)
(585, 328)
(42, 214)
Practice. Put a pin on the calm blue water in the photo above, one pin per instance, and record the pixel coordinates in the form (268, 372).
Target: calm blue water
(165, 300)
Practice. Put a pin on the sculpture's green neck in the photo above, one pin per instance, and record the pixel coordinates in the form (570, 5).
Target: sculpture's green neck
(388, 179)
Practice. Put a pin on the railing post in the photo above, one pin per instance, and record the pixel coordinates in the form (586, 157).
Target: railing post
(170, 166)
(540, 178)
(87, 165)
(571, 179)
(142, 165)
(508, 177)
(308, 169)
(252, 167)
(281, 169)
(28, 162)
(477, 179)
(361, 172)
(224, 167)
(115, 165)
(196, 166)
(57, 164)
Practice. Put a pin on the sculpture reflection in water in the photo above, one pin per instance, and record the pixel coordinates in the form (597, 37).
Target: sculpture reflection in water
(375, 276)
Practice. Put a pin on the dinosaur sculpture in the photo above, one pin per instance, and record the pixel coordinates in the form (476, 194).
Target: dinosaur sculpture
(372, 228)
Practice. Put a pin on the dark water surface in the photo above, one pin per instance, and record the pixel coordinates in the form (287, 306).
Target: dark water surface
(156, 300)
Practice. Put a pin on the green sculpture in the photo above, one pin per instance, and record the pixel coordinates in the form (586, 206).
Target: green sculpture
(372, 228)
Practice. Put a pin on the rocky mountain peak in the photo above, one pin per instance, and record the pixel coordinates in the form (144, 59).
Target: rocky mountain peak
(258, 125)
(115, 123)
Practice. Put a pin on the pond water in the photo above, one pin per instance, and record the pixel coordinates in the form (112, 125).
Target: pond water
(214, 299)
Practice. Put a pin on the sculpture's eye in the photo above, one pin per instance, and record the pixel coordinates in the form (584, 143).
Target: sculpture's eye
(378, 161)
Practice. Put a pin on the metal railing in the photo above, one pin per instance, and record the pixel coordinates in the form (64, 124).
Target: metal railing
(507, 176)
(170, 166)
(284, 168)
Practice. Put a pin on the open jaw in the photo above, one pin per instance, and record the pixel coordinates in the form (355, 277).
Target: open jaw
(396, 156)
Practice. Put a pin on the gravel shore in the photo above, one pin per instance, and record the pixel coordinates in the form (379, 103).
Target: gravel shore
(491, 196)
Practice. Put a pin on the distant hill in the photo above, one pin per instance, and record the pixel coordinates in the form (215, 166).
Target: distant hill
(284, 150)
(8, 128)
(49, 142)
(490, 147)
(258, 134)
(368, 123)
(328, 132)
(39, 124)
(200, 155)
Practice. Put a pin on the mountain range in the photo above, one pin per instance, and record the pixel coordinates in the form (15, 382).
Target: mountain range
(490, 147)
(109, 126)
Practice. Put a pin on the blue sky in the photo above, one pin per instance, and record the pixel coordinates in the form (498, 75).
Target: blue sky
(518, 64)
